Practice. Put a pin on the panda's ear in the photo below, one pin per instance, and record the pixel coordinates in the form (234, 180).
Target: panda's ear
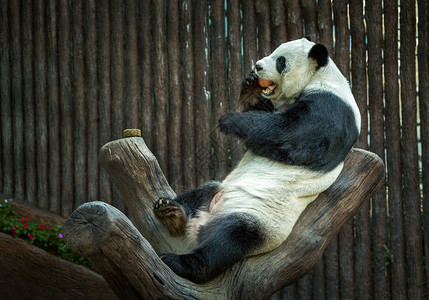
(320, 54)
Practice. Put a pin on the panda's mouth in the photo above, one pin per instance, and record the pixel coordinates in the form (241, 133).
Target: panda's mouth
(269, 90)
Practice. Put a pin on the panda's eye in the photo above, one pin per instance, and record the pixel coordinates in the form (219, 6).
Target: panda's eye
(281, 64)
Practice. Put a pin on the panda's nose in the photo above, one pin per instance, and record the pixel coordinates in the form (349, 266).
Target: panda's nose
(258, 68)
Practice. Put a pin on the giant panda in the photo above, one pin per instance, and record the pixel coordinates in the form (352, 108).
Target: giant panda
(294, 154)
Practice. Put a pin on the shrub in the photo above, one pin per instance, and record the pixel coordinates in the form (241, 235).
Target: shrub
(49, 238)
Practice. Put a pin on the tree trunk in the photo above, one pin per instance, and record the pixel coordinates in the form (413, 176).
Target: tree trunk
(127, 256)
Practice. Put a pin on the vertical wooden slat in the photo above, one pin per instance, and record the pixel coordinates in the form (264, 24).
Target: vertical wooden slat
(28, 103)
(145, 64)
(379, 210)
(363, 271)
(409, 155)
(40, 66)
(235, 69)
(6, 105)
(308, 8)
(159, 71)
(278, 23)
(66, 109)
(117, 78)
(91, 98)
(345, 237)
(325, 24)
(294, 19)
(53, 107)
(423, 69)
(80, 108)
(197, 160)
(174, 95)
(104, 94)
(393, 135)
(132, 95)
(219, 103)
(249, 35)
(16, 97)
(262, 10)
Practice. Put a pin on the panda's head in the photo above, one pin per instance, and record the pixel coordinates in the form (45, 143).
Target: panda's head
(291, 67)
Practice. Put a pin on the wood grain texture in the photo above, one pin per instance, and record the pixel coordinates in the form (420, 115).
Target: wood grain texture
(28, 272)
(99, 231)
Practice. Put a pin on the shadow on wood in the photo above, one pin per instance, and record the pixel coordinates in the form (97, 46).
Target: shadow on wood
(127, 255)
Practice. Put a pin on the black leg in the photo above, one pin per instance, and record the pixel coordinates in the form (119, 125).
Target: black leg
(224, 241)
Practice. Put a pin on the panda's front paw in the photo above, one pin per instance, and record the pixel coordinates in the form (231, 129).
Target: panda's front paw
(249, 80)
(230, 123)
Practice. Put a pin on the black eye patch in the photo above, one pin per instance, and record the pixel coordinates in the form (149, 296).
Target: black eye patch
(281, 64)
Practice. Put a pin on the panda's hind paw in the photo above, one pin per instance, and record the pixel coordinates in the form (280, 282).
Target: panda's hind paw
(171, 214)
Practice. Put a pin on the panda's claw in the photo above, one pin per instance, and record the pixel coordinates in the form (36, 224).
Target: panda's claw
(171, 214)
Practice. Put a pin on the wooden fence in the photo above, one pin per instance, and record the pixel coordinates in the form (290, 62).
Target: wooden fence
(75, 73)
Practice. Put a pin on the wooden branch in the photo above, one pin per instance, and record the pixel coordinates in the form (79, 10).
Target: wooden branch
(28, 272)
(130, 264)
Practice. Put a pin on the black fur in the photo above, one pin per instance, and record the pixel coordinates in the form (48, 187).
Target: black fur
(319, 53)
(223, 242)
(317, 131)
(280, 64)
(194, 199)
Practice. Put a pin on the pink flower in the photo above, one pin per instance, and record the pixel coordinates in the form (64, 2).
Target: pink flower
(26, 219)
(47, 227)
(60, 235)
(25, 225)
(14, 233)
(31, 236)
(15, 227)
(23, 220)
(42, 226)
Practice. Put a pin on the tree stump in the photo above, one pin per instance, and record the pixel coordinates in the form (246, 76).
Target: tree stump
(126, 253)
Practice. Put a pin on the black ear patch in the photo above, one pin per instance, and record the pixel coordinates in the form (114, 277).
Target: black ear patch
(280, 64)
(320, 54)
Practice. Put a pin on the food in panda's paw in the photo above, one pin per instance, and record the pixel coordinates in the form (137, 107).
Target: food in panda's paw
(264, 83)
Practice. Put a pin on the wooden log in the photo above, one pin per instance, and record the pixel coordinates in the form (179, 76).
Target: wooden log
(325, 24)
(218, 84)
(393, 158)
(91, 97)
(145, 63)
(80, 106)
(423, 69)
(65, 103)
(235, 70)
(53, 109)
(41, 107)
(16, 96)
(278, 23)
(250, 53)
(29, 272)
(294, 20)
(138, 271)
(132, 91)
(262, 11)
(197, 93)
(363, 274)
(375, 89)
(159, 71)
(105, 92)
(308, 8)
(175, 96)
(409, 153)
(28, 103)
(24, 210)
